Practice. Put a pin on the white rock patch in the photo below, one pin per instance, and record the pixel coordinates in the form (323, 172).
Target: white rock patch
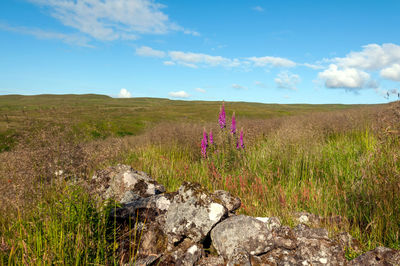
(192, 249)
(323, 260)
(215, 212)
(163, 204)
(263, 219)
(303, 219)
(151, 189)
(129, 179)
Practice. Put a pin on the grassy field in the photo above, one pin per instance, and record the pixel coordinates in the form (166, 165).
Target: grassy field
(331, 160)
(98, 116)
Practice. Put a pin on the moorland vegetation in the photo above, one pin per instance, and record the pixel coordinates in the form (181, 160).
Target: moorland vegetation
(330, 160)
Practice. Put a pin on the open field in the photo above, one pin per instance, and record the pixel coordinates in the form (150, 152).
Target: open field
(98, 116)
(330, 160)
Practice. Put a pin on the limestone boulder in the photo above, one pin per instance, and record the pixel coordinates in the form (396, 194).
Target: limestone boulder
(249, 235)
(192, 213)
(123, 183)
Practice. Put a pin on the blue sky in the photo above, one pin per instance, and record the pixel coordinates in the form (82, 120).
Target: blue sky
(259, 51)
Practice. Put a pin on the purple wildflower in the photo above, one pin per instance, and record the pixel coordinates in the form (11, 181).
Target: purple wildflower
(204, 147)
(205, 137)
(222, 117)
(233, 126)
(210, 138)
(241, 142)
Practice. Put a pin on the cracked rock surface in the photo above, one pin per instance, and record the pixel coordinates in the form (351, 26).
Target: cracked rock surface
(192, 214)
(123, 183)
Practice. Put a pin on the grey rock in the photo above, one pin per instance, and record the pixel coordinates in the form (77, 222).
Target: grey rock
(303, 246)
(228, 200)
(347, 241)
(116, 181)
(192, 255)
(242, 232)
(270, 222)
(192, 214)
(146, 209)
(129, 196)
(186, 253)
(149, 260)
(311, 219)
(279, 256)
(211, 261)
(239, 257)
(304, 232)
(378, 256)
(284, 237)
(315, 248)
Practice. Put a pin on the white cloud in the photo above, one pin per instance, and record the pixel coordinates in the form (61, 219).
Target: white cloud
(74, 39)
(124, 93)
(287, 80)
(238, 87)
(179, 94)
(372, 57)
(169, 63)
(112, 19)
(348, 78)
(200, 90)
(258, 8)
(148, 51)
(271, 60)
(194, 59)
(354, 70)
(313, 66)
(392, 72)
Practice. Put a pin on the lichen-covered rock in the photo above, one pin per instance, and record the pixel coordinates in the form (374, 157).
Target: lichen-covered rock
(311, 219)
(270, 222)
(249, 233)
(378, 256)
(186, 253)
(303, 246)
(192, 214)
(149, 260)
(116, 181)
(348, 242)
(211, 261)
(228, 200)
(315, 248)
(240, 256)
(146, 209)
(284, 237)
(152, 241)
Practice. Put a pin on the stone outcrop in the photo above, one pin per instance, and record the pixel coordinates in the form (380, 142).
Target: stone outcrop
(192, 214)
(242, 233)
(195, 227)
(123, 183)
(379, 256)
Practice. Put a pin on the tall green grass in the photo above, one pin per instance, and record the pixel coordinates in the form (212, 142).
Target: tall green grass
(65, 227)
(354, 175)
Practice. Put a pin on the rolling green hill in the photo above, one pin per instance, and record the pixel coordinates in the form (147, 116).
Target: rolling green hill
(98, 116)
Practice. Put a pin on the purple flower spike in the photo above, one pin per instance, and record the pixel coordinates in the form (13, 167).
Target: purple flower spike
(222, 117)
(233, 126)
(205, 137)
(241, 142)
(211, 138)
(204, 148)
